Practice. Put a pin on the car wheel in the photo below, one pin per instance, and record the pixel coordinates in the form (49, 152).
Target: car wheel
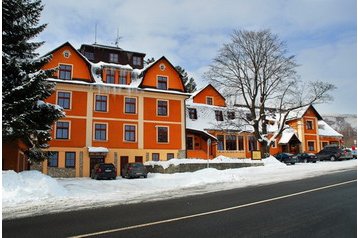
(145, 176)
(332, 158)
(293, 163)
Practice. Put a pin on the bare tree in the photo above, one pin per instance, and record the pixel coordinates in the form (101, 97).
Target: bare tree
(255, 68)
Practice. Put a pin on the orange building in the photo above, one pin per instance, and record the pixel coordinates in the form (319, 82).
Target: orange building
(116, 110)
(208, 118)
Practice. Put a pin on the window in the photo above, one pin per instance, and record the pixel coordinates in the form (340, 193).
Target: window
(241, 142)
(110, 75)
(230, 142)
(309, 125)
(209, 100)
(89, 55)
(190, 143)
(113, 58)
(324, 143)
(130, 105)
(162, 82)
(231, 115)
(170, 156)
(65, 71)
(100, 132)
(122, 77)
(155, 156)
(219, 115)
(252, 143)
(52, 160)
(162, 108)
(129, 133)
(137, 61)
(192, 113)
(310, 146)
(220, 142)
(62, 130)
(70, 159)
(162, 133)
(64, 99)
(101, 103)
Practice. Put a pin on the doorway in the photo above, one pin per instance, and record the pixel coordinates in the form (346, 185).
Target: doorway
(124, 161)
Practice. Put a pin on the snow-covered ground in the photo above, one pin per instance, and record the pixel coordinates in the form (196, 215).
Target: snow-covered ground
(32, 193)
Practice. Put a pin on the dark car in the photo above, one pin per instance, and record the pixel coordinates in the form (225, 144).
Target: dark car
(134, 170)
(333, 152)
(286, 158)
(104, 171)
(306, 157)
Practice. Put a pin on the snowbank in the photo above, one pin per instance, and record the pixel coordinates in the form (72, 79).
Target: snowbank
(32, 193)
(219, 159)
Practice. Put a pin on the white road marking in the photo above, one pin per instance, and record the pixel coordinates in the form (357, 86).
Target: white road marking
(210, 212)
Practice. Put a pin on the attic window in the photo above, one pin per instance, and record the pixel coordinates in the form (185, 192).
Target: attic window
(192, 113)
(137, 61)
(113, 58)
(162, 82)
(231, 115)
(209, 100)
(89, 55)
(66, 54)
(162, 67)
(219, 116)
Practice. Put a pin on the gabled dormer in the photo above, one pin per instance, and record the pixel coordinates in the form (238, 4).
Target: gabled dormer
(162, 75)
(210, 96)
(71, 64)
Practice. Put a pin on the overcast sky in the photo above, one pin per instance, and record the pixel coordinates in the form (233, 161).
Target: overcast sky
(321, 33)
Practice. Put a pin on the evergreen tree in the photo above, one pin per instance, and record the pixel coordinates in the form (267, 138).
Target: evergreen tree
(190, 85)
(24, 86)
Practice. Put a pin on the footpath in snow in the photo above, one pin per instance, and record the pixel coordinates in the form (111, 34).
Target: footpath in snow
(32, 193)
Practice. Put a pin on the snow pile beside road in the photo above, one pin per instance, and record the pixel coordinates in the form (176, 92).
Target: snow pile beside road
(219, 159)
(32, 193)
(28, 186)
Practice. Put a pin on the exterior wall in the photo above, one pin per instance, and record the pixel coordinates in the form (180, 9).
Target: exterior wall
(80, 69)
(82, 118)
(13, 157)
(329, 140)
(209, 91)
(174, 80)
(200, 150)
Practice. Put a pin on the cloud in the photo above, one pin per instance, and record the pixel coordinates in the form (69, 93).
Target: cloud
(322, 33)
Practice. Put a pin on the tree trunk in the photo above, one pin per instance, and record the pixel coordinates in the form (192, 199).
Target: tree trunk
(265, 149)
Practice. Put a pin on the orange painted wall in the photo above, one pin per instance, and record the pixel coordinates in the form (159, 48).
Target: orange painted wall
(174, 80)
(150, 136)
(80, 69)
(115, 106)
(200, 148)
(78, 103)
(77, 134)
(209, 92)
(115, 140)
(150, 110)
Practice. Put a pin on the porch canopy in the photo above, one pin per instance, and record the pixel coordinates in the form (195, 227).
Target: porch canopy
(203, 134)
(287, 137)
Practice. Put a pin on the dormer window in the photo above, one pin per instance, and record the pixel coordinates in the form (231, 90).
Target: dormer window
(137, 61)
(162, 82)
(113, 58)
(65, 71)
(231, 115)
(209, 100)
(219, 116)
(110, 76)
(192, 113)
(122, 77)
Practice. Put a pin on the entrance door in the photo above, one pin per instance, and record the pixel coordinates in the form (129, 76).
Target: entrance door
(94, 161)
(124, 161)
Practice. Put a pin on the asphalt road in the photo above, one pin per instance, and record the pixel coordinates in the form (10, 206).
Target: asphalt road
(324, 206)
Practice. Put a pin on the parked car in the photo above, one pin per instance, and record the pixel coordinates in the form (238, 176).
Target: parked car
(104, 171)
(354, 153)
(306, 157)
(347, 154)
(286, 158)
(134, 170)
(333, 152)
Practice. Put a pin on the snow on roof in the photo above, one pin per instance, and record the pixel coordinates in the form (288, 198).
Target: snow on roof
(297, 113)
(287, 135)
(206, 119)
(98, 150)
(325, 130)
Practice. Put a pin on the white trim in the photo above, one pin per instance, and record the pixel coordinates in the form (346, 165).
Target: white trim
(314, 145)
(164, 76)
(212, 100)
(136, 106)
(167, 107)
(94, 102)
(58, 72)
(69, 130)
(64, 91)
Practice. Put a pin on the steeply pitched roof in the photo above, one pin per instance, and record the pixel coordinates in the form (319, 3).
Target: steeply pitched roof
(194, 94)
(300, 112)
